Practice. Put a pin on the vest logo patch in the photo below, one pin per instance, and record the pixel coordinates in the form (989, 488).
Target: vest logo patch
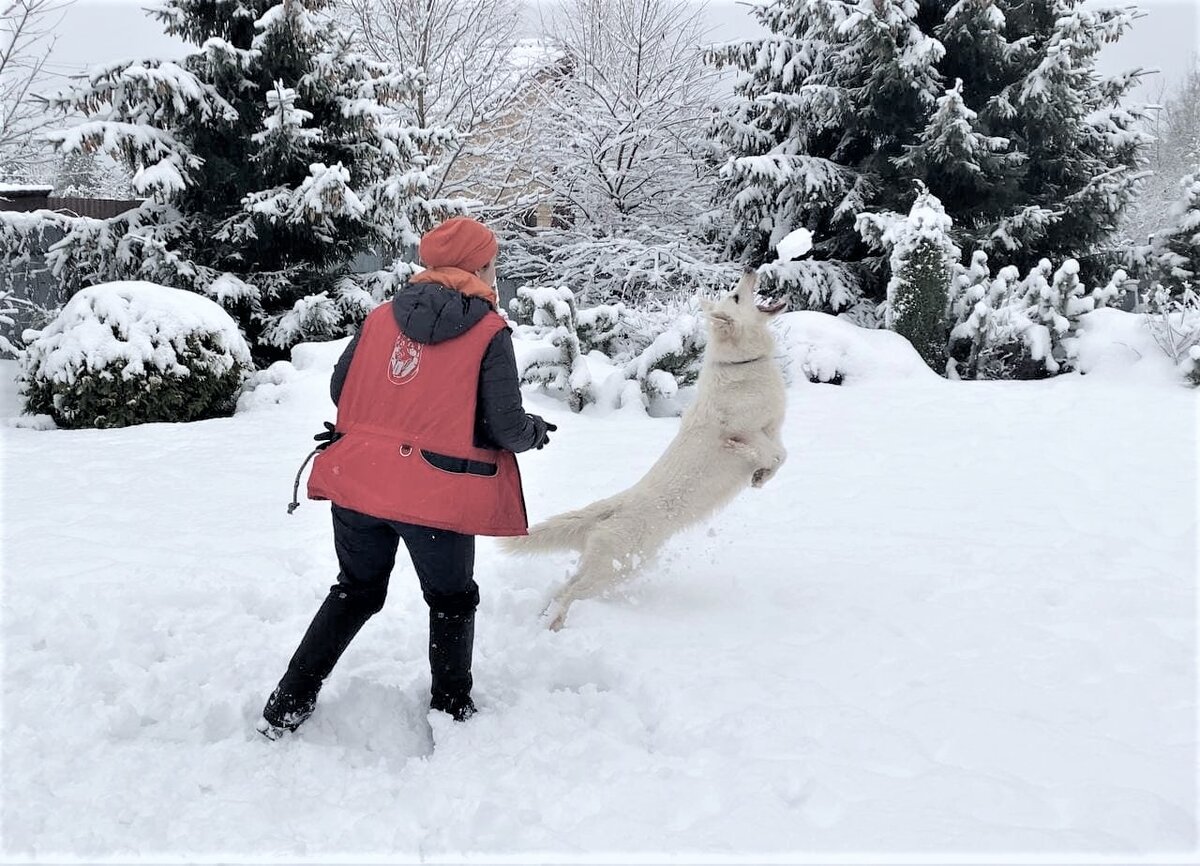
(405, 361)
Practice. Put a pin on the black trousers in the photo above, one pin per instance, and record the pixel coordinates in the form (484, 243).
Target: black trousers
(366, 551)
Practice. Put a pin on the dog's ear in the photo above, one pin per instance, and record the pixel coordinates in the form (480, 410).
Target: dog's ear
(721, 323)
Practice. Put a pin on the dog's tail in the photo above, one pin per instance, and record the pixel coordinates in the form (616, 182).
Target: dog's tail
(567, 531)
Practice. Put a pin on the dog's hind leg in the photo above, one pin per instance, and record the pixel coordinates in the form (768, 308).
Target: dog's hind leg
(601, 566)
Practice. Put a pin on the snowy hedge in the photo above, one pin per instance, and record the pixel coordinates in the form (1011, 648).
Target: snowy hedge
(559, 366)
(134, 352)
(1005, 327)
(658, 349)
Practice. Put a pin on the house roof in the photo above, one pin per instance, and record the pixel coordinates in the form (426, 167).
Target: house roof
(24, 190)
(533, 55)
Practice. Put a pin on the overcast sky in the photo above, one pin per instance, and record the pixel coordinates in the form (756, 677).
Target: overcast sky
(100, 31)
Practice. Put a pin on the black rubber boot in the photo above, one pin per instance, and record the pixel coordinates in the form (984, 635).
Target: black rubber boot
(337, 621)
(451, 643)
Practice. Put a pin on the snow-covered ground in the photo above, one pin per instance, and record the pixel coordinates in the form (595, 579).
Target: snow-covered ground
(961, 622)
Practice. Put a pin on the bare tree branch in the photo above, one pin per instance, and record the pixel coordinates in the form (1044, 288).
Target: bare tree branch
(27, 37)
(623, 132)
(466, 49)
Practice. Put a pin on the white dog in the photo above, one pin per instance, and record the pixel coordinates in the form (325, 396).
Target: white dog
(728, 439)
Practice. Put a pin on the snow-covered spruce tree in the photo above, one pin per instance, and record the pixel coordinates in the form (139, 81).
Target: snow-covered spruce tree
(268, 162)
(601, 328)
(1176, 252)
(996, 105)
(921, 261)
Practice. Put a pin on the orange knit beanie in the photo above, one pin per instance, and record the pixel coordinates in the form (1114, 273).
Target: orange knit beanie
(460, 242)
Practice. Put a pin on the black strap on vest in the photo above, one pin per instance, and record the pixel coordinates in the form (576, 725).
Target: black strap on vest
(295, 503)
(326, 437)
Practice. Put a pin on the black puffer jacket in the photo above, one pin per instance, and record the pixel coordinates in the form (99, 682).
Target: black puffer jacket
(429, 313)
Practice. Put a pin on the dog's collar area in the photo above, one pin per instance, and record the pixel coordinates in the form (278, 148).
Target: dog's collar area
(747, 361)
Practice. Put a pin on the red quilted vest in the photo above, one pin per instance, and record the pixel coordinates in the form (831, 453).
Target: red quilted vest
(407, 453)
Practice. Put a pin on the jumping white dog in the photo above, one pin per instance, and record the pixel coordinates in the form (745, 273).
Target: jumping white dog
(728, 439)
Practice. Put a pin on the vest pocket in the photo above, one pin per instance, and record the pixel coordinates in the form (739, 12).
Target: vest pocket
(459, 465)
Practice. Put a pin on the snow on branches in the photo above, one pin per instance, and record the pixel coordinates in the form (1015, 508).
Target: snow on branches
(269, 158)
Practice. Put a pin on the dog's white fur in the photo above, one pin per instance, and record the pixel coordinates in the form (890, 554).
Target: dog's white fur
(728, 439)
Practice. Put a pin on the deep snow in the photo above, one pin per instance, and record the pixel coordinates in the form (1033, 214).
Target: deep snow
(960, 623)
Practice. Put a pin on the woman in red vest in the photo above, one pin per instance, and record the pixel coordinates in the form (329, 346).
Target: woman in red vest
(429, 418)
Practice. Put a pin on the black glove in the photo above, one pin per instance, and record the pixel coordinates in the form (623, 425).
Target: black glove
(328, 437)
(543, 428)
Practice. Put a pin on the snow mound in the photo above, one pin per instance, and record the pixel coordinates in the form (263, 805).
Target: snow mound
(268, 387)
(318, 356)
(142, 325)
(825, 348)
(1116, 345)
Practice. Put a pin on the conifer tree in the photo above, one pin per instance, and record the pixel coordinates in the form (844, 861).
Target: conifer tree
(1177, 251)
(995, 105)
(922, 258)
(268, 161)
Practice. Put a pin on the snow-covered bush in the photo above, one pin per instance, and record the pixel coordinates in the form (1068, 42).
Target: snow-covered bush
(1112, 294)
(133, 352)
(7, 309)
(672, 361)
(1054, 305)
(543, 306)
(560, 366)
(1011, 328)
(601, 328)
(659, 346)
